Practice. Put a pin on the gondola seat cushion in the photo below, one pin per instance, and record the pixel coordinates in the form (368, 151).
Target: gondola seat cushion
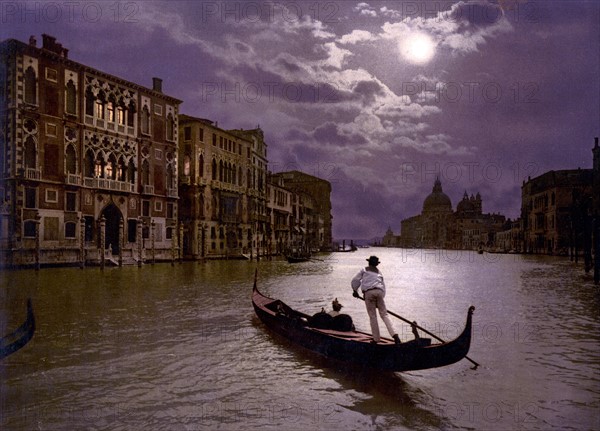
(321, 320)
(342, 322)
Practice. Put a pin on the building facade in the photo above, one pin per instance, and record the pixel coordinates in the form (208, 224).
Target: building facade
(89, 162)
(311, 208)
(282, 231)
(222, 189)
(553, 211)
(438, 226)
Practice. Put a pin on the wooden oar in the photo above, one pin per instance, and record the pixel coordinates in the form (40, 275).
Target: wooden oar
(414, 324)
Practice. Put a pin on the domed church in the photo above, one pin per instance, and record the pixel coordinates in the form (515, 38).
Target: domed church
(438, 226)
(436, 218)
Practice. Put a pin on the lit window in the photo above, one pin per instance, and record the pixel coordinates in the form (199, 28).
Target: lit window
(99, 108)
(110, 108)
(186, 165)
(98, 169)
(120, 116)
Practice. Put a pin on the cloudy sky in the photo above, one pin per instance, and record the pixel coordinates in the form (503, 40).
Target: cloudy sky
(376, 97)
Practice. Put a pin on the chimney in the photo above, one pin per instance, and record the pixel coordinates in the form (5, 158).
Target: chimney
(32, 41)
(48, 42)
(596, 142)
(157, 84)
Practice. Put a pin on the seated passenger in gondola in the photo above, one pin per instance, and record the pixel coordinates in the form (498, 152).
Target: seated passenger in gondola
(332, 320)
(337, 307)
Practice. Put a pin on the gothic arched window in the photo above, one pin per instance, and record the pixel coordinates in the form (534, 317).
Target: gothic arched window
(88, 170)
(146, 173)
(30, 153)
(131, 172)
(170, 127)
(71, 160)
(186, 165)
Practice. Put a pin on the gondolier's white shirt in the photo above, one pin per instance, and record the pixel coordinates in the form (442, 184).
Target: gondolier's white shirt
(367, 280)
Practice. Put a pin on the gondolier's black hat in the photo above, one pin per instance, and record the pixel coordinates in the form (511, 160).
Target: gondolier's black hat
(373, 260)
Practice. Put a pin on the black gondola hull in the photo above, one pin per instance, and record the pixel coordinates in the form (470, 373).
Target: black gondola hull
(355, 347)
(19, 337)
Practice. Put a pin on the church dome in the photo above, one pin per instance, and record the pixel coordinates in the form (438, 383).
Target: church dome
(437, 201)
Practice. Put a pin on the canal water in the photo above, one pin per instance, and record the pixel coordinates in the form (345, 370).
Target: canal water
(179, 347)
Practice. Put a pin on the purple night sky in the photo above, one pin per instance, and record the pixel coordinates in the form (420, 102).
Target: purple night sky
(376, 97)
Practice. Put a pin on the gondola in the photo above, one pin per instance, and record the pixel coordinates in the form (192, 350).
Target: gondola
(297, 258)
(355, 348)
(20, 336)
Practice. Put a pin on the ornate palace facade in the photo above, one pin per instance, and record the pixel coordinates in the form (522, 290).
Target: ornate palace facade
(88, 162)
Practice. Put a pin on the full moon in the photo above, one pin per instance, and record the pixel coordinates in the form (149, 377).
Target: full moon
(417, 48)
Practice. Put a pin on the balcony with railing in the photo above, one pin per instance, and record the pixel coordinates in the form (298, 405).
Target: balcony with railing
(108, 184)
(148, 189)
(73, 179)
(33, 174)
(172, 192)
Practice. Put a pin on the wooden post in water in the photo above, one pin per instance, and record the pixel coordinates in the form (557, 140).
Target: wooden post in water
(597, 249)
(140, 240)
(37, 241)
(152, 239)
(82, 243)
(121, 239)
(102, 241)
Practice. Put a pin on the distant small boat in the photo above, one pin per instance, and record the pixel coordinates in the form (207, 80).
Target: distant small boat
(20, 336)
(297, 258)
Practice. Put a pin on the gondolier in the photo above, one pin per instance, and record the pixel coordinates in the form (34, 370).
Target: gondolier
(354, 347)
(370, 281)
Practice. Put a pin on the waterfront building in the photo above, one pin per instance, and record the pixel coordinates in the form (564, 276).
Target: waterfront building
(438, 226)
(257, 188)
(509, 239)
(476, 229)
(311, 207)
(553, 209)
(433, 227)
(389, 239)
(281, 221)
(221, 188)
(88, 162)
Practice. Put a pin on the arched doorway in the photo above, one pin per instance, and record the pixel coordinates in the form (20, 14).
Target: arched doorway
(112, 217)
